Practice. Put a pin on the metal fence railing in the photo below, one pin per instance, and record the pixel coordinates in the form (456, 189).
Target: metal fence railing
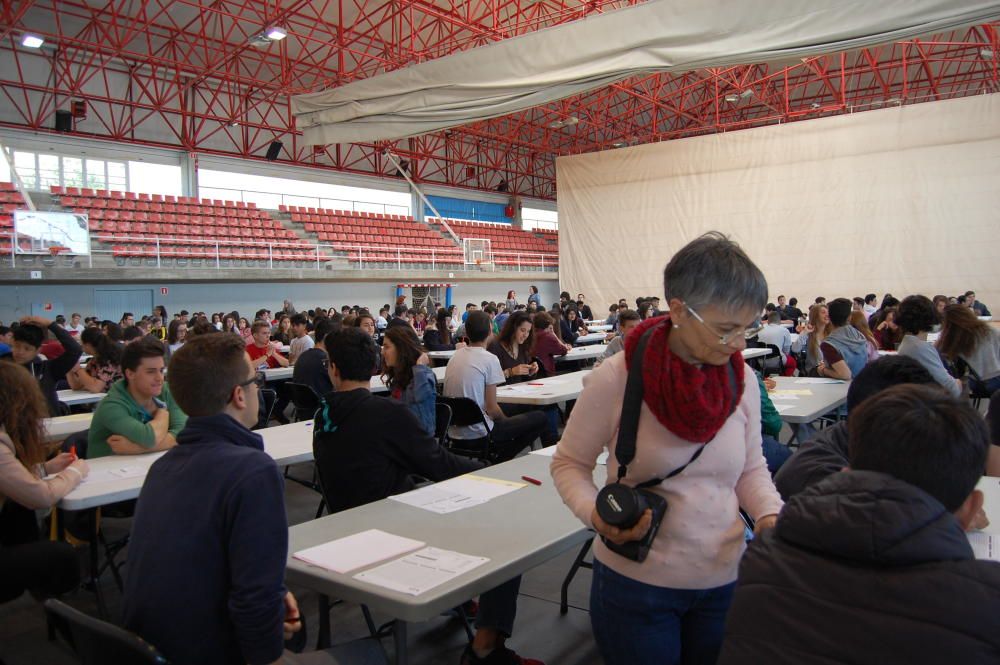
(213, 253)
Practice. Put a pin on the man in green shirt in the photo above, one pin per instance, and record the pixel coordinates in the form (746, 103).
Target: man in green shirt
(138, 415)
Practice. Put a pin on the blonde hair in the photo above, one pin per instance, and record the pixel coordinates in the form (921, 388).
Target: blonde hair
(817, 335)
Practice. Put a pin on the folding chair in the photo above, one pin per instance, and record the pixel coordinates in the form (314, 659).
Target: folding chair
(304, 399)
(96, 642)
(466, 413)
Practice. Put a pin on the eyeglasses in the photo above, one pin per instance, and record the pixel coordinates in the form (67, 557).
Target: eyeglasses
(728, 338)
(259, 379)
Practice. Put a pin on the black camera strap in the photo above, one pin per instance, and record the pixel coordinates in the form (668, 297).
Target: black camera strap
(628, 428)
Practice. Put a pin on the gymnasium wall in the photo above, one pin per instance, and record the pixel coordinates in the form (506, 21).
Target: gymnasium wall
(902, 200)
(246, 297)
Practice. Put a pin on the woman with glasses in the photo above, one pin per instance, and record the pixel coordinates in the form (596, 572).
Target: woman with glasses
(697, 446)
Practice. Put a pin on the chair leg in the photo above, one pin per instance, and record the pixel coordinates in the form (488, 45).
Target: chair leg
(323, 632)
(322, 507)
(372, 628)
(578, 563)
(465, 622)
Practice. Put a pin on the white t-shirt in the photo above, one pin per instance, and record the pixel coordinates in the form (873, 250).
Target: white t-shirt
(869, 310)
(76, 330)
(469, 371)
(299, 346)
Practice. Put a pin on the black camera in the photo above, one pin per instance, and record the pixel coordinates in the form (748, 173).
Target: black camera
(622, 506)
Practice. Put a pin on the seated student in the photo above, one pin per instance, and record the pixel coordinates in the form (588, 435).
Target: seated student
(412, 383)
(826, 452)
(176, 335)
(206, 560)
(311, 367)
(585, 312)
(775, 333)
(28, 483)
(859, 322)
(386, 464)
(612, 319)
(627, 321)
(775, 452)
(139, 414)
(301, 341)
(977, 343)
(28, 338)
(811, 336)
(872, 565)
(262, 351)
(547, 345)
(491, 311)
(869, 307)
(979, 308)
(514, 348)
(561, 324)
(993, 418)
(104, 366)
(844, 348)
(6, 340)
(475, 373)
(885, 331)
(281, 332)
(576, 324)
(916, 318)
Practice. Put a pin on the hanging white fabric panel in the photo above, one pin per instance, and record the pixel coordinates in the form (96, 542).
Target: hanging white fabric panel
(901, 200)
(565, 60)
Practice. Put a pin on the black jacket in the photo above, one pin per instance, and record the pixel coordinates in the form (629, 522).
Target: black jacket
(368, 447)
(50, 372)
(863, 569)
(817, 458)
(206, 561)
(432, 340)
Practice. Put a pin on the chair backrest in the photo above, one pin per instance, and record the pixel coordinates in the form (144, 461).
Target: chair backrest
(305, 399)
(268, 398)
(97, 642)
(465, 412)
(442, 420)
(774, 360)
(78, 439)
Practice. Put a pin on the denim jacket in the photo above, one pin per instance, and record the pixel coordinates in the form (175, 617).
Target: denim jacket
(421, 395)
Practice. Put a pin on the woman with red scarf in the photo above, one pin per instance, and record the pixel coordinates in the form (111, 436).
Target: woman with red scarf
(701, 408)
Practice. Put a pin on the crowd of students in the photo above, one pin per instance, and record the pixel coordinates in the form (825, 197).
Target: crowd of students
(209, 536)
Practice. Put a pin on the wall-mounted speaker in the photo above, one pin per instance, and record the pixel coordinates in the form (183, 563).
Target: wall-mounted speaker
(64, 121)
(273, 151)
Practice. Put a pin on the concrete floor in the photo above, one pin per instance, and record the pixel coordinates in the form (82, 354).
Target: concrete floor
(540, 631)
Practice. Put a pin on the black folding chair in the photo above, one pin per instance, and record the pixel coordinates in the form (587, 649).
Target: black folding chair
(442, 420)
(96, 642)
(304, 399)
(268, 398)
(466, 413)
(774, 361)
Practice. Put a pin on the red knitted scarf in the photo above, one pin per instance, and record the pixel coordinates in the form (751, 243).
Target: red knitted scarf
(692, 402)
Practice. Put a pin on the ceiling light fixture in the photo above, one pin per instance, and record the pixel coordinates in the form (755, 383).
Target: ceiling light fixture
(275, 33)
(814, 105)
(986, 53)
(29, 40)
(746, 93)
(732, 98)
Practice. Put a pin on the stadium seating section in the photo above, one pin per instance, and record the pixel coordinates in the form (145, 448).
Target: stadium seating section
(383, 239)
(510, 246)
(147, 229)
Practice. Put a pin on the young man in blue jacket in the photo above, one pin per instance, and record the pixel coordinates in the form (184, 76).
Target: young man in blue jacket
(206, 562)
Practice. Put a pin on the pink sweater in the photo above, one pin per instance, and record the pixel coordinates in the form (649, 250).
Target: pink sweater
(26, 488)
(701, 538)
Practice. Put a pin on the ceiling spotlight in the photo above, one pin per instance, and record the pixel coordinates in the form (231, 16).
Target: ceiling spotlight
(746, 93)
(732, 98)
(29, 40)
(620, 144)
(568, 122)
(234, 123)
(814, 105)
(892, 100)
(986, 53)
(275, 33)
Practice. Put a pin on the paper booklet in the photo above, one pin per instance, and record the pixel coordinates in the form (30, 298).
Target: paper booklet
(357, 551)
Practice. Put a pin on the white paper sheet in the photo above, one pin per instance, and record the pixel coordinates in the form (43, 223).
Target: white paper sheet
(811, 379)
(781, 396)
(357, 551)
(551, 451)
(457, 493)
(985, 545)
(782, 408)
(421, 571)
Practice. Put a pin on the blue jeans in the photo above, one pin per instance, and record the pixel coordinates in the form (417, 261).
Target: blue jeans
(639, 624)
(775, 452)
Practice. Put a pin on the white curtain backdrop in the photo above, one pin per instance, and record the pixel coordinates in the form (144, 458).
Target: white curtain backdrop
(902, 200)
(565, 60)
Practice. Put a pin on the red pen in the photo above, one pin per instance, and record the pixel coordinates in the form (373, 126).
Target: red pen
(533, 481)
(72, 451)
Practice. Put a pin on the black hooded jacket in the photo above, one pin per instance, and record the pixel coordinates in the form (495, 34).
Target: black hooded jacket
(862, 569)
(367, 448)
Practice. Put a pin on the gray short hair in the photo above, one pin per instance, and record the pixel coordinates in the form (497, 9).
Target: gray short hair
(714, 270)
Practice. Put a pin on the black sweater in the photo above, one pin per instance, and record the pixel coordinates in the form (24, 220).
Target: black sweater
(50, 372)
(863, 569)
(819, 457)
(206, 562)
(368, 447)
